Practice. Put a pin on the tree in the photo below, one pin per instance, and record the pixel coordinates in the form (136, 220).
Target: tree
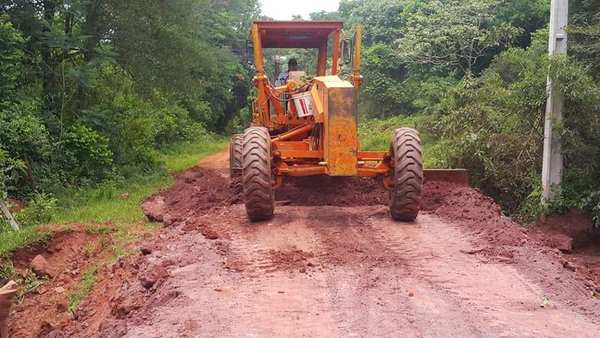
(453, 34)
(584, 33)
(384, 20)
(89, 89)
(11, 58)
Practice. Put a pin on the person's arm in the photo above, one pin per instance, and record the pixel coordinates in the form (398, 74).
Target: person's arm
(281, 79)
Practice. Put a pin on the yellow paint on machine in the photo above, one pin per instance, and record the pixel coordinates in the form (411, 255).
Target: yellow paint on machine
(343, 152)
(340, 125)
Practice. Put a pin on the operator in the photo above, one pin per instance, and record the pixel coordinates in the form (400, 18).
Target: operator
(283, 77)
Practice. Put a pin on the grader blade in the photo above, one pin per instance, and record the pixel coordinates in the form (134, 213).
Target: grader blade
(457, 176)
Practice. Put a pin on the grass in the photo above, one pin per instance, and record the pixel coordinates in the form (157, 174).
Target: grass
(7, 271)
(185, 156)
(115, 202)
(120, 202)
(11, 240)
(376, 134)
(85, 286)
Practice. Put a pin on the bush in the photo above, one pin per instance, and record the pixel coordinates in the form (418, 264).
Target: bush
(39, 210)
(173, 124)
(10, 170)
(84, 155)
(376, 134)
(11, 57)
(493, 126)
(26, 145)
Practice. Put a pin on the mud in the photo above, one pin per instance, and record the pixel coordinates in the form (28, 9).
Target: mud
(332, 264)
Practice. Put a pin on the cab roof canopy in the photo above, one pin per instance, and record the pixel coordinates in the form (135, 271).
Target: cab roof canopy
(296, 34)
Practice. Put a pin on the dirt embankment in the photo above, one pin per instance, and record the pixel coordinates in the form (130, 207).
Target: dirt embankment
(52, 275)
(330, 248)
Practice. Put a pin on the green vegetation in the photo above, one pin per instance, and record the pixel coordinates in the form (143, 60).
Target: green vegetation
(92, 92)
(86, 285)
(119, 202)
(100, 99)
(11, 240)
(7, 271)
(471, 76)
(375, 134)
(111, 211)
(116, 202)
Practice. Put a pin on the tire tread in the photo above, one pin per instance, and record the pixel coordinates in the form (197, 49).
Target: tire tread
(256, 174)
(405, 195)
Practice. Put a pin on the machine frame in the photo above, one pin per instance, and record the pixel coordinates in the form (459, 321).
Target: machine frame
(293, 150)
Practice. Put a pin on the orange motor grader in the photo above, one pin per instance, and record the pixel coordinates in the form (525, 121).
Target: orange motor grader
(309, 127)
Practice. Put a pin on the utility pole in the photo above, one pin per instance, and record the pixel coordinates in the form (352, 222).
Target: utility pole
(552, 157)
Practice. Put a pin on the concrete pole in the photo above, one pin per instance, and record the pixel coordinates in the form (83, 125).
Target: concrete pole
(552, 157)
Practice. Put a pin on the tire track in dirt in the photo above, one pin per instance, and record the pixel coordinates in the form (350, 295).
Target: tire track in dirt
(259, 289)
(379, 298)
(351, 256)
(448, 278)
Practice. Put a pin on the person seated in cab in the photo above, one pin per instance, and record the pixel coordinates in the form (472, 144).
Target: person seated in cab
(284, 76)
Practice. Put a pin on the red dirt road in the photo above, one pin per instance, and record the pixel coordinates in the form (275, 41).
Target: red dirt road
(333, 264)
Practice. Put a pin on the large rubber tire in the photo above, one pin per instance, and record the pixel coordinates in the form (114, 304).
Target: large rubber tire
(235, 155)
(259, 195)
(407, 157)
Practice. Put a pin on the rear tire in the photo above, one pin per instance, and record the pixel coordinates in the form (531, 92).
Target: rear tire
(257, 180)
(405, 195)
(235, 155)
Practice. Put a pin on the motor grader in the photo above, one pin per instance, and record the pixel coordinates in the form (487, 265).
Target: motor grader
(309, 127)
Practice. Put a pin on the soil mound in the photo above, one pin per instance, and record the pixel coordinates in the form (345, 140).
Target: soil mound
(332, 191)
(194, 193)
(199, 190)
(470, 207)
(68, 255)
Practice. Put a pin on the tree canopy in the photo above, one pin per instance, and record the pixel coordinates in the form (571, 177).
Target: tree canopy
(89, 88)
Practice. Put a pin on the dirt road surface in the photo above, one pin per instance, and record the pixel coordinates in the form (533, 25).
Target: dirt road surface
(333, 264)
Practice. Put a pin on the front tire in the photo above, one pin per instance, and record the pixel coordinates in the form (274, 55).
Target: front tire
(257, 180)
(235, 155)
(405, 195)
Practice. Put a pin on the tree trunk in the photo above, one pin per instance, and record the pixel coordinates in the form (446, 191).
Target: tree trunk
(92, 28)
(48, 76)
(9, 217)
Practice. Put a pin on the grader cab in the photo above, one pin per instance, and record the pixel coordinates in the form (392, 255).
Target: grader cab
(309, 127)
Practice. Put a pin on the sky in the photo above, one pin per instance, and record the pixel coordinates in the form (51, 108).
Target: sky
(284, 9)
